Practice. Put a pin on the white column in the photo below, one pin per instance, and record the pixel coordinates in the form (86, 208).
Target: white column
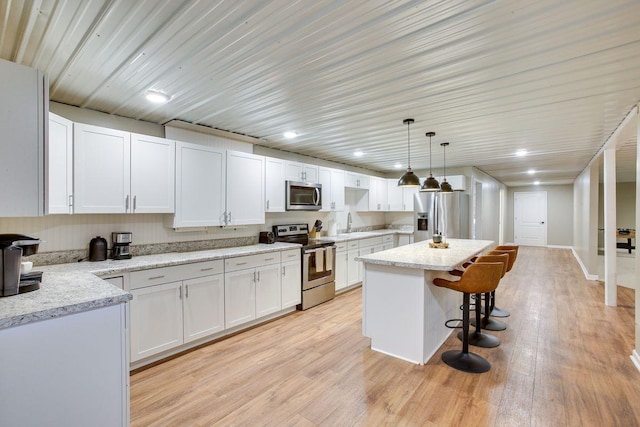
(635, 356)
(610, 277)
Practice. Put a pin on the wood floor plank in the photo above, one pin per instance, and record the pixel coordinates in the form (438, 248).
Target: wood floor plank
(563, 361)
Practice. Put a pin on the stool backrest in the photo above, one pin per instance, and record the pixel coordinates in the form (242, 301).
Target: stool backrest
(507, 248)
(480, 277)
(512, 256)
(503, 258)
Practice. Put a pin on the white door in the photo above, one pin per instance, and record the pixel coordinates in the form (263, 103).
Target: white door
(101, 168)
(156, 319)
(200, 185)
(291, 283)
(152, 174)
(203, 306)
(530, 218)
(60, 174)
(268, 290)
(245, 188)
(274, 185)
(239, 297)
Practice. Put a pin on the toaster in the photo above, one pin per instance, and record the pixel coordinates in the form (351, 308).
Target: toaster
(267, 237)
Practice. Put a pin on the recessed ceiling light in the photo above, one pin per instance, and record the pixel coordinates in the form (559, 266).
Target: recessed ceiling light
(358, 153)
(398, 166)
(521, 153)
(157, 97)
(290, 134)
(536, 182)
(531, 171)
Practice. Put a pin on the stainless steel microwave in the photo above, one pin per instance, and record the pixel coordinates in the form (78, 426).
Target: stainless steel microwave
(303, 196)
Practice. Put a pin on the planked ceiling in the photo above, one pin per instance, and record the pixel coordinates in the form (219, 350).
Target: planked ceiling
(553, 77)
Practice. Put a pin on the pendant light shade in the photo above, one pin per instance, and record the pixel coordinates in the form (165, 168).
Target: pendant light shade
(430, 184)
(445, 187)
(409, 179)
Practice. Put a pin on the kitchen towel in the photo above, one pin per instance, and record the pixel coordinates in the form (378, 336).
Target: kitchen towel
(319, 260)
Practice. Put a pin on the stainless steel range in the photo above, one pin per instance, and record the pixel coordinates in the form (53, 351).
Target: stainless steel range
(318, 263)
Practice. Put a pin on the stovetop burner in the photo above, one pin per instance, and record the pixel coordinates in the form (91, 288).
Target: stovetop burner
(299, 233)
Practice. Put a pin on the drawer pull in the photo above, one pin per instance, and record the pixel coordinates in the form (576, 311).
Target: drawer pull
(156, 277)
(241, 263)
(269, 259)
(206, 269)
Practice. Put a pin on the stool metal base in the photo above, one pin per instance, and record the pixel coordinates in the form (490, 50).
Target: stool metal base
(490, 324)
(480, 339)
(498, 312)
(466, 362)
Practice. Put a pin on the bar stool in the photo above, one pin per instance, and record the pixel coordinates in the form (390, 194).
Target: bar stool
(495, 311)
(478, 278)
(479, 338)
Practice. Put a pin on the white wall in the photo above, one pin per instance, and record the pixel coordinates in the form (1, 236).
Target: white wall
(585, 219)
(559, 212)
(625, 208)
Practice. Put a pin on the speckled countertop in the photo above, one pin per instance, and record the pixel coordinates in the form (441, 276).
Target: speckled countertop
(420, 255)
(357, 235)
(73, 288)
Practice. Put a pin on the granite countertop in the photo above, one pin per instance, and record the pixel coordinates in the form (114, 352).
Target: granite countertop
(357, 235)
(420, 255)
(76, 287)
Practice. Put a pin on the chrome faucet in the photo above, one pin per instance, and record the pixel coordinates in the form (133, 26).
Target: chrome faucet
(349, 222)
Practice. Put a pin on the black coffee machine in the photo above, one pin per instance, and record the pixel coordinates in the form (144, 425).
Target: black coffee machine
(12, 248)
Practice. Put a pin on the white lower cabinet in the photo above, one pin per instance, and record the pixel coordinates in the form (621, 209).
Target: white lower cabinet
(354, 273)
(342, 261)
(156, 319)
(252, 287)
(203, 306)
(405, 239)
(172, 306)
(291, 278)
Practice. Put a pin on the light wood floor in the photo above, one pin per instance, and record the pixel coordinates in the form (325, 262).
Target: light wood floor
(564, 360)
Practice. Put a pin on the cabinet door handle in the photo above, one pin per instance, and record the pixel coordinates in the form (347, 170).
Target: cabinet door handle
(229, 217)
(126, 203)
(284, 270)
(156, 277)
(135, 204)
(180, 292)
(254, 277)
(206, 269)
(186, 291)
(258, 276)
(269, 259)
(70, 200)
(240, 263)
(267, 205)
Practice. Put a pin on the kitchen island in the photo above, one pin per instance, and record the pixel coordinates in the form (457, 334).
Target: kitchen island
(403, 312)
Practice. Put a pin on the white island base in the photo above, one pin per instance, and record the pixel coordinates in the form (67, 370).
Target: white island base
(403, 312)
(413, 328)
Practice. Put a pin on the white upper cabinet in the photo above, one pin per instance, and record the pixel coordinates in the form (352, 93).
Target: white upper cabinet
(120, 172)
(245, 188)
(378, 194)
(152, 174)
(356, 180)
(200, 186)
(295, 171)
(400, 198)
(458, 182)
(101, 168)
(332, 181)
(24, 106)
(60, 170)
(274, 185)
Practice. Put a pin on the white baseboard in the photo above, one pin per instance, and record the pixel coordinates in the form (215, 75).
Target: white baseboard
(635, 358)
(584, 269)
(559, 247)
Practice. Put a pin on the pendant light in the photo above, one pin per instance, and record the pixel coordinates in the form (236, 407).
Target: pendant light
(409, 179)
(430, 184)
(445, 187)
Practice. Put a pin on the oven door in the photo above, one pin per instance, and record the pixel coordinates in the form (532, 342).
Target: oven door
(318, 267)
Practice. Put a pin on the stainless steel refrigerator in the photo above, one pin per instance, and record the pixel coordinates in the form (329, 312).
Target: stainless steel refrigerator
(441, 213)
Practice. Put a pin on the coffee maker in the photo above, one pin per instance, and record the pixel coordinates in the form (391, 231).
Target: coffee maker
(121, 241)
(12, 280)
